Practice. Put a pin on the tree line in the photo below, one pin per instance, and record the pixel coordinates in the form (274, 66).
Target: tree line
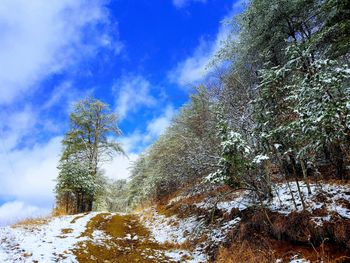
(280, 106)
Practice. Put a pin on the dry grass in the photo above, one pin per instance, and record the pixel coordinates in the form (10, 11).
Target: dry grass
(59, 211)
(244, 252)
(32, 222)
(78, 217)
(250, 253)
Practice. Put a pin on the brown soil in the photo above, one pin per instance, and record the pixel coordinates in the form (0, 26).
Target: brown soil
(256, 240)
(128, 241)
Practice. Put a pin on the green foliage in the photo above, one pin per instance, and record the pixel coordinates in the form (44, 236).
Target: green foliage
(75, 177)
(185, 153)
(234, 160)
(88, 143)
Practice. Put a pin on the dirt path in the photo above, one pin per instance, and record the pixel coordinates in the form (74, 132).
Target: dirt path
(120, 238)
(92, 237)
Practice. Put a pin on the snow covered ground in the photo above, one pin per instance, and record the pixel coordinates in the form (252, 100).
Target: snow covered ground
(57, 239)
(175, 231)
(43, 243)
(179, 230)
(330, 197)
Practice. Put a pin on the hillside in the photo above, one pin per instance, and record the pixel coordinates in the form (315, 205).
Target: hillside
(196, 225)
(198, 143)
(91, 237)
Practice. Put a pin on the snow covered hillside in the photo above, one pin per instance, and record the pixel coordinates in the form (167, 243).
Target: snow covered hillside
(213, 221)
(191, 227)
(92, 237)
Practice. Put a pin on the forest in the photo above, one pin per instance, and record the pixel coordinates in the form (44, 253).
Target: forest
(278, 109)
(275, 110)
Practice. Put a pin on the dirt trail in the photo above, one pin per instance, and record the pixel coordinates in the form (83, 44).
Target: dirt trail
(120, 238)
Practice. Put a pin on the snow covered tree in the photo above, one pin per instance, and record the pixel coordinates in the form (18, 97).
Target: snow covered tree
(89, 142)
(234, 161)
(321, 101)
(75, 186)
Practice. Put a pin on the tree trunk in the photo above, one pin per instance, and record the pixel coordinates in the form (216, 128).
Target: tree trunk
(67, 203)
(297, 183)
(78, 203)
(339, 162)
(305, 176)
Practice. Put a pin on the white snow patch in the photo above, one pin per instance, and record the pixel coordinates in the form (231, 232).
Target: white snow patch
(296, 259)
(170, 229)
(43, 243)
(282, 199)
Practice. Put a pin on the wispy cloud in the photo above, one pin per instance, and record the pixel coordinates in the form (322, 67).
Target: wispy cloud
(15, 126)
(39, 38)
(28, 173)
(133, 91)
(158, 125)
(11, 212)
(139, 140)
(136, 142)
(119, 168)
(183, 3)
(197, 67)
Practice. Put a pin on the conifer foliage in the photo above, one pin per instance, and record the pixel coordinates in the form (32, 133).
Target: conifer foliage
(89, 142)
(284, 103)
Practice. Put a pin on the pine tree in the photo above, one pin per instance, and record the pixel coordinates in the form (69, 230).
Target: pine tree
(89, 142)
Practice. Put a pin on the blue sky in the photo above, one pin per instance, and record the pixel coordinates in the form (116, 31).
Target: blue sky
(141, 57)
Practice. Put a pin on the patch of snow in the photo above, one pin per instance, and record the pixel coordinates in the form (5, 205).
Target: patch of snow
(178, 230)
(170, 229)
(3, 256)
(180, 255)
(99, 237)
(282, 200)
(44, 243)
(219, 234)
(260, 158)
(176, 199)
(318, 220)
(240, 202)
(295, 259)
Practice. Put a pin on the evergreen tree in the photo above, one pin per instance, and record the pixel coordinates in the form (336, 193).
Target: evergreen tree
(89, 142)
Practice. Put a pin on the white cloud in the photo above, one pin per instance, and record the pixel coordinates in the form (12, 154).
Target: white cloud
(11, 212)
(59, 92)
(28, 168)
(136, 142)
(29, 173)
(65, 95)
(158, 125)
(133, 142)
(15, 126)
(133, 92)
(240, 4)
(183, 3)
(196, 67)
(119, 168)
(39, 38)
